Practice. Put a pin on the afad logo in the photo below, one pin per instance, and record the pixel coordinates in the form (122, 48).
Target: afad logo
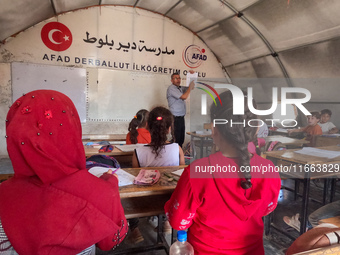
(204, 97)
(193, 56)
(56, 36)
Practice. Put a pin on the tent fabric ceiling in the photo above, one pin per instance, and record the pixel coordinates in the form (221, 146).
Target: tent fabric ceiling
(251, 38)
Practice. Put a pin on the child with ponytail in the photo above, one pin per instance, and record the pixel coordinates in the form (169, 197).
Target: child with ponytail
(159, 152)
(218, 198)
(138, 132)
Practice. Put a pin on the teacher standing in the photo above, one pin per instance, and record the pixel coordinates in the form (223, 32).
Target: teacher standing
(176, 96)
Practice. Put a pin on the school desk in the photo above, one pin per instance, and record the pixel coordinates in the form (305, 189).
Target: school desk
(304, 167)
(327, 140)
(109, 137)
(288, 141)
(204, 140)
(121, 156)
(145, 201)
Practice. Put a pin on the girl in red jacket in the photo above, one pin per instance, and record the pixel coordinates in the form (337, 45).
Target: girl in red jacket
(221, 199)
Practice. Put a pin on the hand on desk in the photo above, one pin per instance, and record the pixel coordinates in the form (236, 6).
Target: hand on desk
(110, 172)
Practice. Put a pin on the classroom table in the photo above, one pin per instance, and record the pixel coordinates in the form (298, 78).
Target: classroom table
(109, 137)
(121, 156)
(288, 141)
(327, 140)
(144, 201)
(204, 138)
(293, 167)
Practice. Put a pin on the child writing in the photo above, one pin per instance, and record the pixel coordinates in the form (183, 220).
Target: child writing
(312, 129)
(138, 132)
(223, 210)
(159, 152)
(327, 126)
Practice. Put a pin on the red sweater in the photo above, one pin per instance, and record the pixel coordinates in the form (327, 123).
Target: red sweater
(143, 136)
(222, 217)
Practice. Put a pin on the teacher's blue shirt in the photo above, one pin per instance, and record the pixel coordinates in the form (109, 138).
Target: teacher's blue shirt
(176, 104)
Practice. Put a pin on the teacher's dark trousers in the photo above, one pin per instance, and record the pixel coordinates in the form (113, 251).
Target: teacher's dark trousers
(179, 126)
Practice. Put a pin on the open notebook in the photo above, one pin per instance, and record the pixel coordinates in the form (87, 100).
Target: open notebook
(124, 178)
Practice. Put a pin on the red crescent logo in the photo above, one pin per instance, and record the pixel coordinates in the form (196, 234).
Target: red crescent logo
(56, 36)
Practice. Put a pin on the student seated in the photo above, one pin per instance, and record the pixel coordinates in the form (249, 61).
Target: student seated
(312, 129)
(138, 128)
(159, 152)
(327, 126)
(53, 205)
(223, 210)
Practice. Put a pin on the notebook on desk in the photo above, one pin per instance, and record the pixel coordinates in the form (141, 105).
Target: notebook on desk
(124, 178)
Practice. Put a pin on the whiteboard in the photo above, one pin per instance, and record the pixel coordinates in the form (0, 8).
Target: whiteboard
(115, 95)
(68, 80)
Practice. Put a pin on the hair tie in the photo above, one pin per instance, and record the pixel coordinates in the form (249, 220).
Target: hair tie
(135, 117)
(159, 118)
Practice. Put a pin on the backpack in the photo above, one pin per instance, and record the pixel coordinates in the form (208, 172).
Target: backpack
(275, 146)
(102, 160)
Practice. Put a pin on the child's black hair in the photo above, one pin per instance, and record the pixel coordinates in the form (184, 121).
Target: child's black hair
(160, 119)
(236, 134)
(139, 121)
(326, 111)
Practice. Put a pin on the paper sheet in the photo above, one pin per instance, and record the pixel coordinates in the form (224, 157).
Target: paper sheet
(190, 78)
(319, 152)
(281, 130)
(178, 172)
(124, 178)
(129, 147)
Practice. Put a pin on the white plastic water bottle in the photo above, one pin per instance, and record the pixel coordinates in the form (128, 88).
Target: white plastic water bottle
(181, 246)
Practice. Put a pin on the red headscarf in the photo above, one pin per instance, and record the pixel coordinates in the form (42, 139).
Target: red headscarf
(52, 205)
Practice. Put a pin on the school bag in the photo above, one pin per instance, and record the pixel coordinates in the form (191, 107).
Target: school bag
(275, 146)
(102, 160)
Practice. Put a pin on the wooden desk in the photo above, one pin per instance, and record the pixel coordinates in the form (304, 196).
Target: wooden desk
(295, 162)
(162, 187)
(144, 201)
(109, 137)
(326, 140)
(204, 140)
(286, 140)
(121, 156)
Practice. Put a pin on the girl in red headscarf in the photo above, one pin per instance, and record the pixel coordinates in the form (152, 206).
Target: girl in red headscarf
(52, 205)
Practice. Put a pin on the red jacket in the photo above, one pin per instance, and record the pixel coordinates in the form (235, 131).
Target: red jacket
(222, 217)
